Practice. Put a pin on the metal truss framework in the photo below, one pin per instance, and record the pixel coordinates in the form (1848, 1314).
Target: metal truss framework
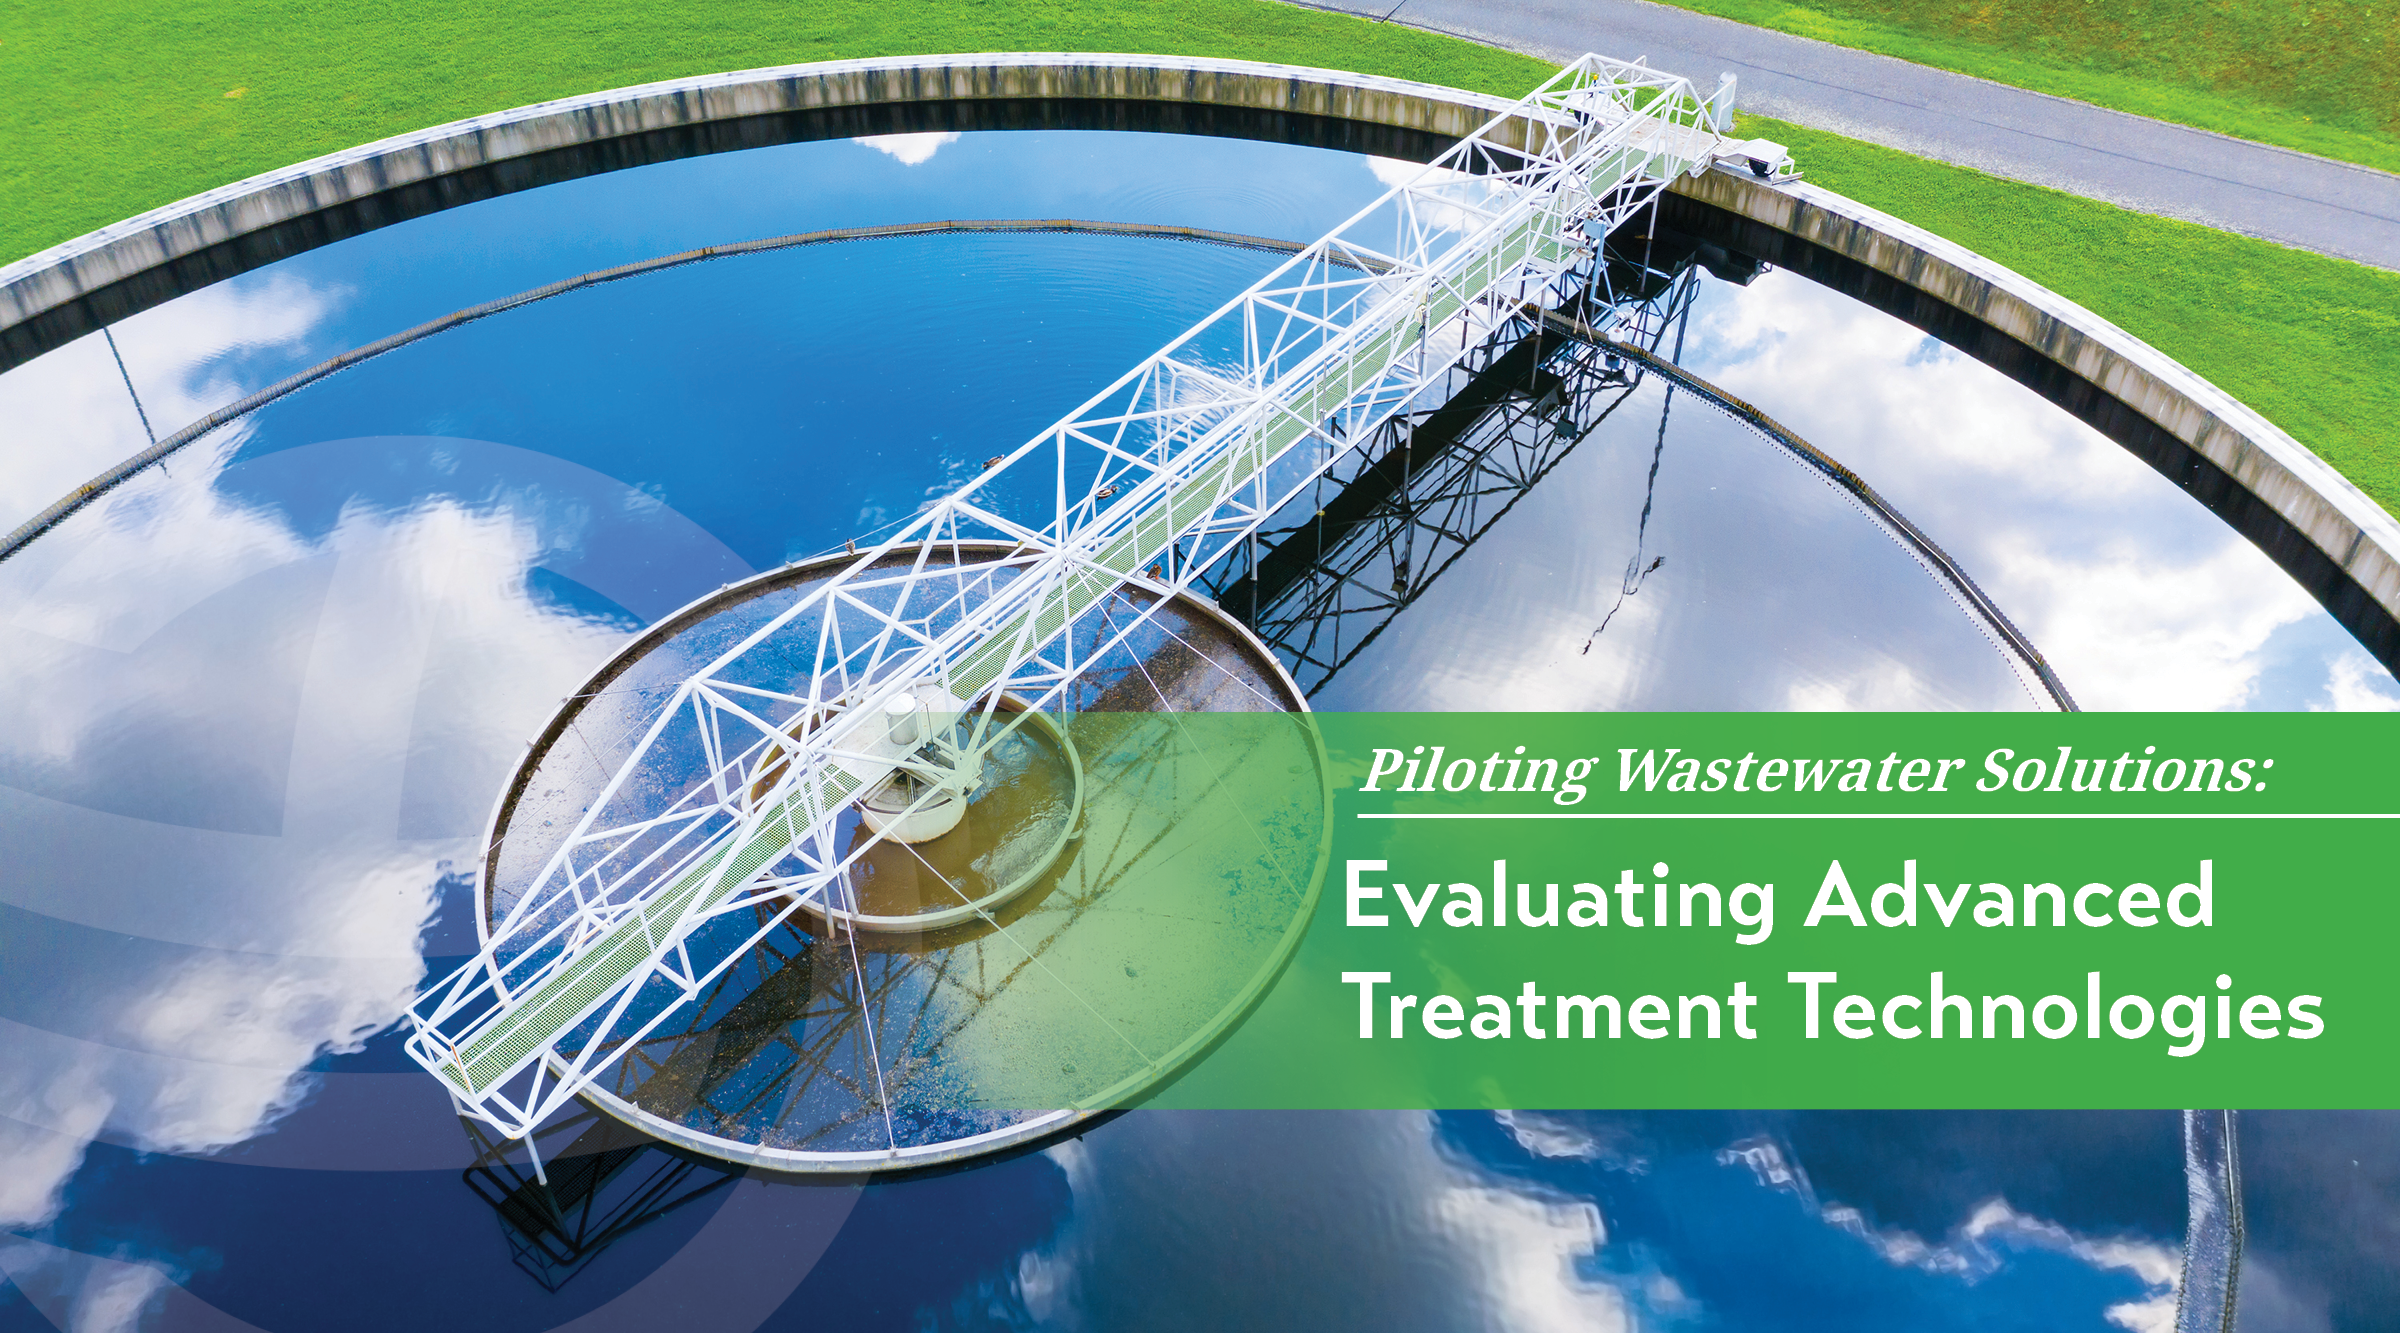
(1380, 527)
(733, 797)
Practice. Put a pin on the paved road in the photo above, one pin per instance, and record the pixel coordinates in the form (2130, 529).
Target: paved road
(2331, 207)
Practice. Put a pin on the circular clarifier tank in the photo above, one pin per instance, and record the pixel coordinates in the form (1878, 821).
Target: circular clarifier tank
(296, 664)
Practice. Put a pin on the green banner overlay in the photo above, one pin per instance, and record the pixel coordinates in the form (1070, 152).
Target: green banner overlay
(1794, 910)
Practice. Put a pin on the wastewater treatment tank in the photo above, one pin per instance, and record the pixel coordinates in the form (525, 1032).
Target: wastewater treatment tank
(298, 657)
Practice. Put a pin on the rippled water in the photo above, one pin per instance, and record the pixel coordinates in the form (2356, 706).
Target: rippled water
(260, 703)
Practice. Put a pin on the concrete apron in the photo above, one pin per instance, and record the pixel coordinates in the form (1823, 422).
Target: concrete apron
(2340, 545)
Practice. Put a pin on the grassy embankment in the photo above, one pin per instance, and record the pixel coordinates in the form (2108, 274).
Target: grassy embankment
(109, 110)
(2320, 77)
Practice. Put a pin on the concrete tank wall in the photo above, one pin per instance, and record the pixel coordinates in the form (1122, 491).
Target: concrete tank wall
(2341, 545)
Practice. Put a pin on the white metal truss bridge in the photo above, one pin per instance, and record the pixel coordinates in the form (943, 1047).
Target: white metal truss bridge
(730, 800)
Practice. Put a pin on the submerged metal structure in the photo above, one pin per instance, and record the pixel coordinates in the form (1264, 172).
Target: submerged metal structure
(1322, 581)
(597, 1181)
(891, 680)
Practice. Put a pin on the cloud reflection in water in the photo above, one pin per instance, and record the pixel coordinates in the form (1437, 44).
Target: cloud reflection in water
(2139, 597)
(359, 686)
(1531, 1221)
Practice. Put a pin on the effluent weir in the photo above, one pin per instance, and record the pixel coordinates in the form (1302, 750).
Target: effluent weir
(975, 799)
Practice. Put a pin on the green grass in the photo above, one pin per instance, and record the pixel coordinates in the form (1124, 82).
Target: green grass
(110, 108)
(2320, 77)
